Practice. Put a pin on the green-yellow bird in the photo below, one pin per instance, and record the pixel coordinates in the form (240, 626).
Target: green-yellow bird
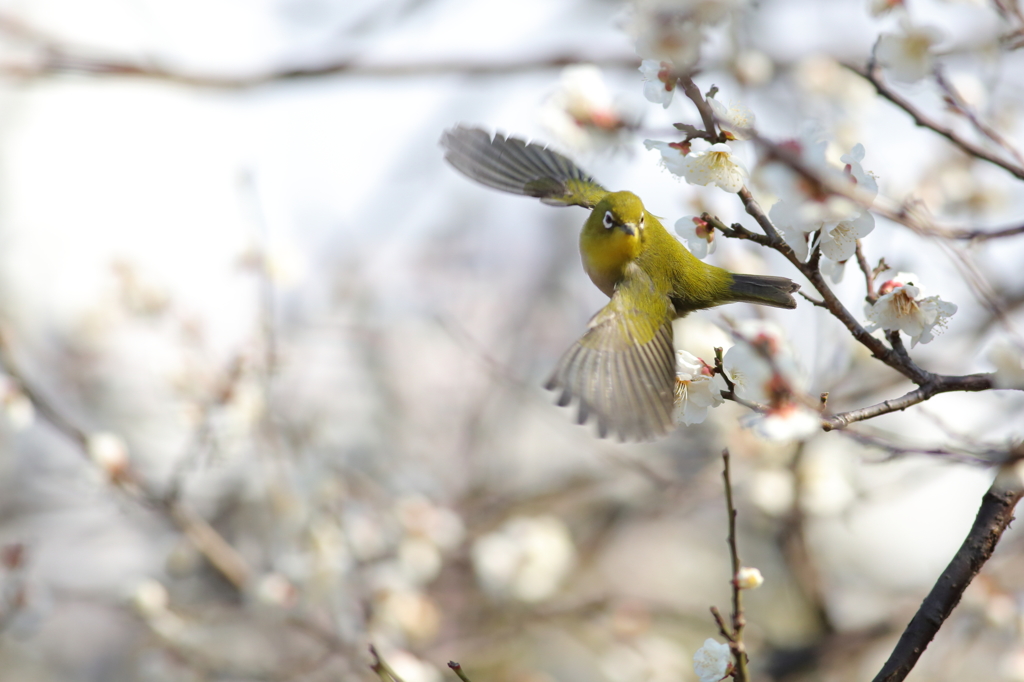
(622, 371)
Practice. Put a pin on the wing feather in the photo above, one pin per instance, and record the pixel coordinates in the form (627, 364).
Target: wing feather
(512, 165)
(621, 373)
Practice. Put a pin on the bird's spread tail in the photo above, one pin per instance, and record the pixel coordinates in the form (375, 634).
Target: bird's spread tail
(764, 290)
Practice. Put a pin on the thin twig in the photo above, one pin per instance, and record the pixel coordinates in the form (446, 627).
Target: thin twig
(457, 669)
(869, 274)
(938, 384)
(381, 667)
(739, 621)
(993, 517)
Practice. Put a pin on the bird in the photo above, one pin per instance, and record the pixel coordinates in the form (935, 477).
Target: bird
(621, 372)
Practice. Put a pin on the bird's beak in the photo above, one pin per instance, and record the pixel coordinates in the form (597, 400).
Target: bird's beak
(629, 228)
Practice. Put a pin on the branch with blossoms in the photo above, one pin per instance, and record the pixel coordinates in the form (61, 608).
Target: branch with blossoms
(712, 661)
(817, 225)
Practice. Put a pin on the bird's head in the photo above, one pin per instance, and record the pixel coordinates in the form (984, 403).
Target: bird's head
(621, 215)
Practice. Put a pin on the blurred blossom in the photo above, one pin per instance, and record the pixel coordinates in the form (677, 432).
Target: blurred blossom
(747, 363)
(822, 76)
(410, 668)
(659, 83)
(736, 120)
(648, 658)
(749, 578)
(773, 491)
(879, 8)
(787, 422)
(902, 306)
(420, 560)
(697, 389)
(762, 368)
(109, 452)
(277, 590)
(582, 112)
(420, 517)
(19, 410)
(698, 234)
(412, 612)
(908, 56)
(714, 167)
(150, 598)
(671, 30)
(526, 559)
(713, 661)
(753, 67)
(367, 538)
(1008, 358)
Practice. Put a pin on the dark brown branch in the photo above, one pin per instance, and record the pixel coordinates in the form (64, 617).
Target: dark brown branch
(707, 116)
(993, 517)
(871, 74)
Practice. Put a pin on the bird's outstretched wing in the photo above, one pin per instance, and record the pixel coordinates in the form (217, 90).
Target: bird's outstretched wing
(512, 165)
(622, 371)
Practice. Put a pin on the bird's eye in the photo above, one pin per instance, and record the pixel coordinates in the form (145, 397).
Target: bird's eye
(607, 219)
(641, 222)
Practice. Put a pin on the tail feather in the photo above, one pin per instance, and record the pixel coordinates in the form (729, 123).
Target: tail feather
(765, 290)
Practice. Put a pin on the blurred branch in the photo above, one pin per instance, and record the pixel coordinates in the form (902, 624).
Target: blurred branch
(206, 539)
(383, 670)
(56, 57)
(869, 273)
(993, 517)
(872, 75)
(956, 102)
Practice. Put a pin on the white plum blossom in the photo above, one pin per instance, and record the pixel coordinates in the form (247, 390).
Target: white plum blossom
(659, 81)
(736, 120)
(832, 269)
(839, 242)
(908, 56)
(713, 661)
(902, 306)
(698, 235)
(804, 208)
(697, 389)
(749, 578)
(1008, 357)
(713, 167)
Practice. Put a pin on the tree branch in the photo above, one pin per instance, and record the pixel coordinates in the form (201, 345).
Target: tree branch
(938, 384)
(993, 517)
(872, 75)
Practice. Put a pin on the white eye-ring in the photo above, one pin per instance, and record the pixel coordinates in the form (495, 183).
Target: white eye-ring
(641, 222)
(608, 220)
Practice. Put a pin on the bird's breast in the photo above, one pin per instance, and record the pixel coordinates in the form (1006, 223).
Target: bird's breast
(605, 259)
